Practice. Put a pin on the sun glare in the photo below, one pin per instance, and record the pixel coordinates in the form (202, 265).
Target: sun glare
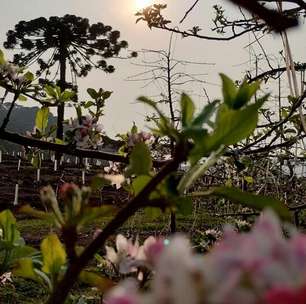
(140, 4)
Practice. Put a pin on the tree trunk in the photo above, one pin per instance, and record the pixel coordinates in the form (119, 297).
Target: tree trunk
(62, 84)
(172, 115)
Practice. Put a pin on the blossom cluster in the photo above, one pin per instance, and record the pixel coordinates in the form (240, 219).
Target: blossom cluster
(112, 168)
(135, 138)
(258, 267)
(128, 256)
(6, 278)
(86, 133)
(12, 74)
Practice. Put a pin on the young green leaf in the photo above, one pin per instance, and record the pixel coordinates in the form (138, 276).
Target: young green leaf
(67, 95)
(233, 126)
(140, 160)
(50, 91)
(187, 110)
(92, 93)
(205, 114)
(139, 183)
(229, 90)
(245, 93)
(8, 226)
(41, 120)
(24, 268)
(2, 59)
(29, 76)
(22, 98)
(95, 280)
(163, 123)
(54, 254)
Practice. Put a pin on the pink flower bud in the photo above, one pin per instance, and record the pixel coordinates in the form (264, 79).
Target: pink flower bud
(67, 191)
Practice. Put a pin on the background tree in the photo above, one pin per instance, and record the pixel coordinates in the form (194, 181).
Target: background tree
(56, 41)
(170, 75)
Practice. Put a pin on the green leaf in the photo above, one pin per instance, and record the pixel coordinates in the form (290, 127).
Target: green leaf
(29, 76)
(249, 179)
(24, 268)
(139, 183)
(58, 90)
(233, 126)
(59, 141)
(36, 161)
(8, 225)
(163, 123)
(198, 170)
(92, 93)
(67, 95)
(245, 93)
(41, 120)
(229, 90)
(29, 210)
(2, 59)
(88, 104)
(140, 160)
(184, 205)
(205, 114)
(50, 91)
(152, 213)
(22, 252)
(107, 94)
(187, 110)
(251, 200)
(54, 254)
(95, 280)
(22, 98)
(195, 133)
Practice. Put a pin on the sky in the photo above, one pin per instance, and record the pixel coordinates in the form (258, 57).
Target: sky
(232, 58)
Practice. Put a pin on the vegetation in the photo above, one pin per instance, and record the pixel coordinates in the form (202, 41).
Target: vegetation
(161, 173)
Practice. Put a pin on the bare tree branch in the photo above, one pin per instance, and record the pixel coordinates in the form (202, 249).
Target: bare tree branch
(67, 149)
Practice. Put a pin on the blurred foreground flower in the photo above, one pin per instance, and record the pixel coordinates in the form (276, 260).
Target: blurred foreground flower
(261, 266)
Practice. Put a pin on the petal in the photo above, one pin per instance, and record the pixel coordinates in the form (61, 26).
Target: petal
(111, 255)
(121, 243)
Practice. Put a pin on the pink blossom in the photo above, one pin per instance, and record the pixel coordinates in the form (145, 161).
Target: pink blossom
(87, 133)
(286, 295)
(5, 278)
(126, 250)
(128, 256)
(67, 191)
(125, 293)
(135, 138)
(153, 249)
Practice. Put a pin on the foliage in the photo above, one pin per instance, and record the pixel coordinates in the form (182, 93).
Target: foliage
(201, 139)
(80, 40)
(12, 245)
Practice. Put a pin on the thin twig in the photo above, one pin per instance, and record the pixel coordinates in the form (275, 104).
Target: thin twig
(189, 11)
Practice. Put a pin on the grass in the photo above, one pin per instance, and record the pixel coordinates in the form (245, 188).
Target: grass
(34, 230)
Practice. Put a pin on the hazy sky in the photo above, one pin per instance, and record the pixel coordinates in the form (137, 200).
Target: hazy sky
(231, 57)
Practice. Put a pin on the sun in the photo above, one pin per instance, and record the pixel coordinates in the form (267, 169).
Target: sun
(140, 4)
